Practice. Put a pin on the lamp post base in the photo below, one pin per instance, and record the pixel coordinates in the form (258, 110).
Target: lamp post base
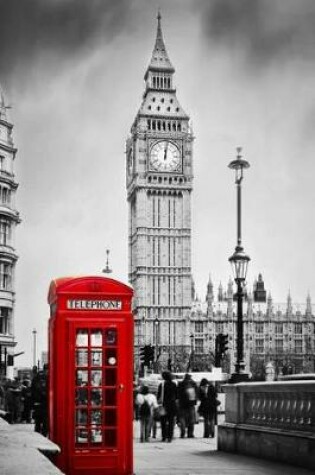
(239, 378)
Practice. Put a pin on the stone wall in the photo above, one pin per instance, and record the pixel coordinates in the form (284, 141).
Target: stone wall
(271, 420)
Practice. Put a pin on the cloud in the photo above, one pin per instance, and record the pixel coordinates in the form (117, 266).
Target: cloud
(30, 28)
(265, 30)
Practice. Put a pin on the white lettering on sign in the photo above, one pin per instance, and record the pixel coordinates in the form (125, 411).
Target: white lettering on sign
(94, 304)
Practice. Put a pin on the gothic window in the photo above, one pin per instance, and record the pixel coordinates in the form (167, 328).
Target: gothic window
(169, 126)
(158, 211)
(259, 344)
(159, 125)
(298, 345)
(164, 125)
(153, 124)
(259, 327)
(159, 252)
(298, 328)
(169, 291)
(179, 127)
(153, 252)
(169, 213)
(169, 82)
(158, 290)
(279, 328)
(199, 345)
(199, 327)
(154, 81)
(168, 108)
(153, 291)
(174, 126)
(149, 124)
(158, 108)
(5, 276)
(153, 211)
(279, 345)
(174, 253)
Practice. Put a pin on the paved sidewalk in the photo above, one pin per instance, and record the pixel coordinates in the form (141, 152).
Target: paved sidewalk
(22, 449)
(198, 456)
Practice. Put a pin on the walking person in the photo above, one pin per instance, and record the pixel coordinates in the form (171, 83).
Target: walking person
(26, 395)
(187, 399)
(39, 402)
(146, 403)
(167, 396)
(208, 407)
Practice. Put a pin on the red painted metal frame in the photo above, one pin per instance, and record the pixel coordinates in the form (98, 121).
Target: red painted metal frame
(96, 450)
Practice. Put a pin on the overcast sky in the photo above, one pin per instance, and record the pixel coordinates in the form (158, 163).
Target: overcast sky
(73, 72)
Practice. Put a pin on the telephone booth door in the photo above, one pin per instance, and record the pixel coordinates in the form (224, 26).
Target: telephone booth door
(94, 427)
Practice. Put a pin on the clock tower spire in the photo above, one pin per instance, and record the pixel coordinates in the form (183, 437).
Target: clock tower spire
(159, 185)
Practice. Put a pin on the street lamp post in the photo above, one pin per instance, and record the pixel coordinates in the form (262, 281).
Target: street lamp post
(34, 332)
(107, 269)
(239, 261)
(156, 324)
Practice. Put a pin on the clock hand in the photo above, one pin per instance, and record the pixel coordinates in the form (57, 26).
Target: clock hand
(165, 150)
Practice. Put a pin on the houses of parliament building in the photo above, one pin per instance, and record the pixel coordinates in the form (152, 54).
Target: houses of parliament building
(168, 316)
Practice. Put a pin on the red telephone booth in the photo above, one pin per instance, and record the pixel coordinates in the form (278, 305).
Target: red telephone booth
(91, 375)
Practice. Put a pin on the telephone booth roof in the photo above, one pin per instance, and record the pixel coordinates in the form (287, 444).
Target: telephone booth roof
(86, 284)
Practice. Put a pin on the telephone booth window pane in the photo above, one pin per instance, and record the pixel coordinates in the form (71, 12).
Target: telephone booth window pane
(111, 336)
(96, 397)
(82, 357)
(82, 436)
(96, 436)
(110, 437)
(96, 358)
(96, 378)
(110, 397)
(81, 397)
(110, 376)
(96, 417)
(111, 357)
(96, 338)
(82, 377)
(82, 338)
(81, 416)
(110, 417)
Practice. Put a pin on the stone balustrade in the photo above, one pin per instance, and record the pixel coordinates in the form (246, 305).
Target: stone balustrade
(274, 420)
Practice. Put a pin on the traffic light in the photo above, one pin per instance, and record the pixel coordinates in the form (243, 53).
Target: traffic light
(221, 347)
(142, 354)
(148, 355)
(224, 344)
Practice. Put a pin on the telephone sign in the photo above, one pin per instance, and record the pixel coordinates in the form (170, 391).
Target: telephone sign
(91, 375)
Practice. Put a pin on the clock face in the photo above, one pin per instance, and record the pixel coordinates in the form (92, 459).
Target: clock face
(165, 157)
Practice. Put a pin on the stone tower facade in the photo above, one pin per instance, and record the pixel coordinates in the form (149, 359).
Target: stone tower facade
(9, 218)
(159, 179)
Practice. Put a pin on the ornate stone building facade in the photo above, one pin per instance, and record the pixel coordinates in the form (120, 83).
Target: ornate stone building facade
(9, 218)
(159, 185)
(281, 333)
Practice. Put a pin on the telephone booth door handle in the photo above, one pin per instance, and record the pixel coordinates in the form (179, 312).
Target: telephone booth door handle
(121, 387)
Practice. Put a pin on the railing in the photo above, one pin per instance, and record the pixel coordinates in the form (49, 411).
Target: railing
(286, 405)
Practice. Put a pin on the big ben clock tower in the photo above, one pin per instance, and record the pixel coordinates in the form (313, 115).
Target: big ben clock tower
(159, 185)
